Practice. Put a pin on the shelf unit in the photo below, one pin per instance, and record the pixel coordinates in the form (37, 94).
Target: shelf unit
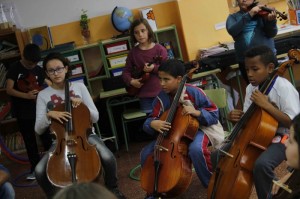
(13, 36)
(114, 53)
(10, 38)
(93, 67)
(169, 34)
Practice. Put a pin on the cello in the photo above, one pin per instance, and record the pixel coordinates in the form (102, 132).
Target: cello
(233, 176)
(74, 159)
(168, 172)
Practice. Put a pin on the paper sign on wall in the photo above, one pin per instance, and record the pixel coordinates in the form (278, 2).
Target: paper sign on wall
(148, 14)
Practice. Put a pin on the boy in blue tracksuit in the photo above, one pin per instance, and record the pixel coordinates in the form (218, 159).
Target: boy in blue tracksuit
(195, 103)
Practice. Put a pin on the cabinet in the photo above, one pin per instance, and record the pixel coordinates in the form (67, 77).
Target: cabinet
(11, 47)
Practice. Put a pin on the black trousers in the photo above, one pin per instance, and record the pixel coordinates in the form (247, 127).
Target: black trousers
(26, 127)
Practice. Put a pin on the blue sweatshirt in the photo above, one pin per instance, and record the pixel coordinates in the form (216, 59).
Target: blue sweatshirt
(248, 32)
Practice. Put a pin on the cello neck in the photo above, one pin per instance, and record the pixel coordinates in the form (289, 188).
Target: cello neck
(174, 104)
(68, 107)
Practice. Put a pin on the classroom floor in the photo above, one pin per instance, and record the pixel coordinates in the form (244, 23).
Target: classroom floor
(128, 174)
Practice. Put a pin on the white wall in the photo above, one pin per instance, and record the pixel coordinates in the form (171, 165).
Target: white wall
(33, 13)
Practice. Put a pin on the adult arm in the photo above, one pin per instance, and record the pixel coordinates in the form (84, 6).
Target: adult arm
(235, 24)
(270, 28)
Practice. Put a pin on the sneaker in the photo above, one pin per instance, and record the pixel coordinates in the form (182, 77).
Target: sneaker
(149, 197)
(118, 193)
(31, 176)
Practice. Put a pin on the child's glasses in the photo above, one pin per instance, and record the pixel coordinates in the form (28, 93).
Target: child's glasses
(57, 70)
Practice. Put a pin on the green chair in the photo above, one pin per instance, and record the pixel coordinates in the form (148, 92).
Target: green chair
(130, 115)
(219, 97)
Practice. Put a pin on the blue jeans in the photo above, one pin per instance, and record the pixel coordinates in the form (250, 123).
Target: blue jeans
(198, 153)
(7, 191)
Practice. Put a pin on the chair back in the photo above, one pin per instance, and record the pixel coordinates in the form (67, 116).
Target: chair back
(219, 97)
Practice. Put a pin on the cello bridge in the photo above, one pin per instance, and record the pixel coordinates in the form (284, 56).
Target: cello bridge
(228, 154)
(161, 148)
(71, 142)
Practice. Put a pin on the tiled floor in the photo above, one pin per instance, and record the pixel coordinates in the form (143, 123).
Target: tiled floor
(128, 184)
(128, 177)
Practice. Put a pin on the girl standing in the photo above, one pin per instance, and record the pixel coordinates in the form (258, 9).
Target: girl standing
(144, 59)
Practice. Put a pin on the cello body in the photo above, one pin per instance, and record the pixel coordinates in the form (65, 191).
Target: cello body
(73, 145)
(175, 169)
(233, 178)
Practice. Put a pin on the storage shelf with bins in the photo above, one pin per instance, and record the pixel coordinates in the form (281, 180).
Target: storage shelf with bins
(114, 53)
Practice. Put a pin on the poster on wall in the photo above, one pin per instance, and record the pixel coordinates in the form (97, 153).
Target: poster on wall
(148, 14)
(40, 36)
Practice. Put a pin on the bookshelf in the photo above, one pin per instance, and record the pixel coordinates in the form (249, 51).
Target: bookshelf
(12, 45)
